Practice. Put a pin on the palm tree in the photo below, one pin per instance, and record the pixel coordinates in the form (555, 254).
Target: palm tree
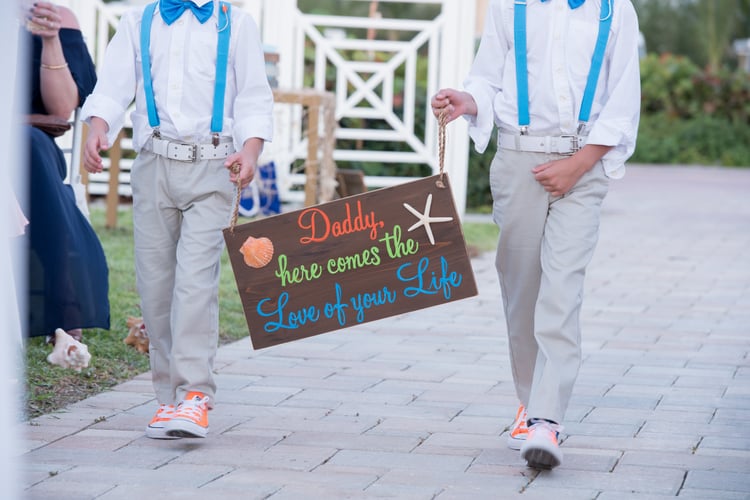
(701, 30)
(716, 25)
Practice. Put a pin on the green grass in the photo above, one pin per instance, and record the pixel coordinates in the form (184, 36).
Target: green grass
(49, 387)
(482, 236)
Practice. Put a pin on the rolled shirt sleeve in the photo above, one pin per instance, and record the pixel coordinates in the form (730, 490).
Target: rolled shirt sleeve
(115, 88)
(484, 79)
(617, 122)
(253, 106)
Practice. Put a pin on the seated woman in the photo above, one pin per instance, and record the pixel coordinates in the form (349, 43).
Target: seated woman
(68, 277)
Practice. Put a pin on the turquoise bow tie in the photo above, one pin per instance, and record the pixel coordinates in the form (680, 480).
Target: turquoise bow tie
(574, 4)
(171, 10)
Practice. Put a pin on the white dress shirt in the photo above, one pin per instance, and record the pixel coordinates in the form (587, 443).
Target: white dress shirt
(183, 67)
(560, 43)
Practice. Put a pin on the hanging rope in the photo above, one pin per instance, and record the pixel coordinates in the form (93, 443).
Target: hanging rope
(442, 122)
(235, 213)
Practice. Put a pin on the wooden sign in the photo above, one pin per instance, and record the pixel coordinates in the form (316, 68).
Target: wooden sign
(350, 261)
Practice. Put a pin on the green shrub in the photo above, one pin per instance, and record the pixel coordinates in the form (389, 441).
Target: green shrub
(692, 116)
(478, 182)
(705, 140)
(667, 85)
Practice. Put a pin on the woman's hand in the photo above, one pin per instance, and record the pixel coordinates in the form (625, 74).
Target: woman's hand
(44, 19)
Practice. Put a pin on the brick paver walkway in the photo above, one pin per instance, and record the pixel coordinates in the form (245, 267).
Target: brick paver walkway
(416, 406)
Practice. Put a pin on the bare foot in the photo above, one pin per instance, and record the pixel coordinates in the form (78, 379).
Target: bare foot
(76, 334)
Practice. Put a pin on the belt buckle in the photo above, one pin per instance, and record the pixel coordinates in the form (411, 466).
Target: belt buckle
(194, 152)
(182, 151)
(574, 144)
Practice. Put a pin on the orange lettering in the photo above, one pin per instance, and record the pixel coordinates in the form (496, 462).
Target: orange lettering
(316, 221)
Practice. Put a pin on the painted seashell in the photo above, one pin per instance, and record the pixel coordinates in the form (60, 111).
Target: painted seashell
(258, 252)
(137, 335)
(68, 352)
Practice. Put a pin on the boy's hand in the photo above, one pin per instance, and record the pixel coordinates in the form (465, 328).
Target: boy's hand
(247, 159)
(96, 141)
(453, 102)
(559, 176)
(239, 169)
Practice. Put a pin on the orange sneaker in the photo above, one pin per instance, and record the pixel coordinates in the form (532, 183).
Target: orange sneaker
(190, 418)
(519, 430)
(155, 428)
(541, 449)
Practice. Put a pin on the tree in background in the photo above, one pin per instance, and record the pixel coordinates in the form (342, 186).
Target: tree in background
(701, 30)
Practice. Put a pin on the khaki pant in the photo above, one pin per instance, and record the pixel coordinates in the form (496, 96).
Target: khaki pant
(545, 245)
(179, 209)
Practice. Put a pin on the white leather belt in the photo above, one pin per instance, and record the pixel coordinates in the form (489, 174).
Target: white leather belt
(563, 144)
(181, 151)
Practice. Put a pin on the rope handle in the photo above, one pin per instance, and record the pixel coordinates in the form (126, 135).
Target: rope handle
(235, 168)
(442, 122)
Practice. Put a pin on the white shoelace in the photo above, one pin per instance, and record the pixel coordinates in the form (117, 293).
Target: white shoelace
(556, 429)
(192, 408)
(165, 411)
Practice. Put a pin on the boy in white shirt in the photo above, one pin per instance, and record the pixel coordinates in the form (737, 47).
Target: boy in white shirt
(566, 102)
(202, 104)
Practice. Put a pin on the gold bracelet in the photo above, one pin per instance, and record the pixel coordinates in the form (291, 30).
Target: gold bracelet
(57, 66)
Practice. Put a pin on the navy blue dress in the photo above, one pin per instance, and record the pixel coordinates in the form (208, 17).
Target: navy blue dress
(68, 280)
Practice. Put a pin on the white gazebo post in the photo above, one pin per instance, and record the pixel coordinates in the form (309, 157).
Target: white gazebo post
(11, 363)
(86, 12)
(279, 30)
(456, 56)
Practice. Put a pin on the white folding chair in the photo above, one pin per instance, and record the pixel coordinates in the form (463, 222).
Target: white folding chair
(71, 144)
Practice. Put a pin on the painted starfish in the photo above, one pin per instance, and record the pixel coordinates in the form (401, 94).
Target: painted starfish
(425, 219)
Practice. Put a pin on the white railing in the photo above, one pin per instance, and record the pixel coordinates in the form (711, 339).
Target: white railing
(363, 89)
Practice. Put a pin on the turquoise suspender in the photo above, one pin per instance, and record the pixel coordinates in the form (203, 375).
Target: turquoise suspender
(148, 84)
(605, 21)
(222, 56)
(522, 76)
(522, 72)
